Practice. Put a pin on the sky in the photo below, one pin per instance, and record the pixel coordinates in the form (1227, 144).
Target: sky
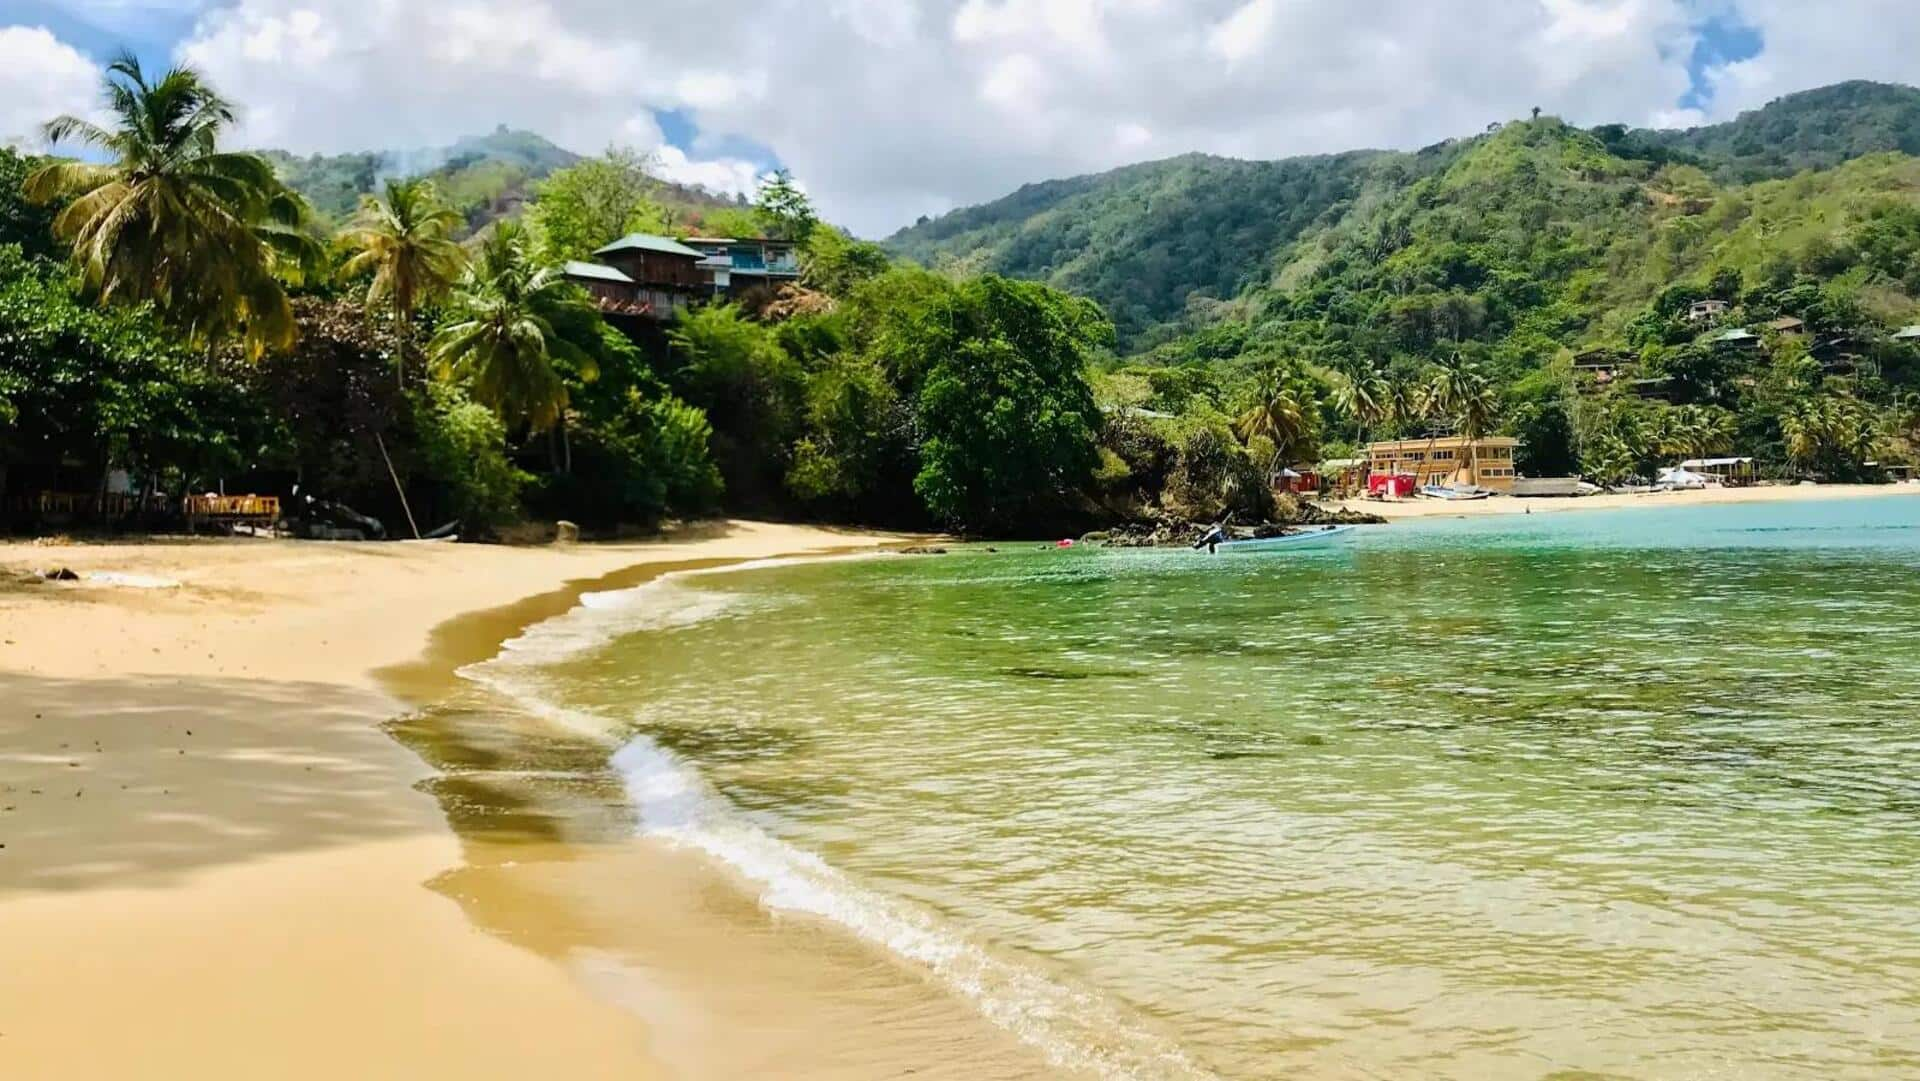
(887, 110)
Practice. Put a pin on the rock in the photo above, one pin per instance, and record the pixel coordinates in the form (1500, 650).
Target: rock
(1098, 536)
(64, 574)
(923, 550)
(565, 532)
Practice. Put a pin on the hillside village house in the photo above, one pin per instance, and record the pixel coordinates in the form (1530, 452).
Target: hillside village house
(644, 276)
(1448, 459)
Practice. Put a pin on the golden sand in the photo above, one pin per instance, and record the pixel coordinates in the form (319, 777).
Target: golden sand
(215, 861)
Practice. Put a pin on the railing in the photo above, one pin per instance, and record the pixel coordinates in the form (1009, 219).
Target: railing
(262, 507)
(81, 505)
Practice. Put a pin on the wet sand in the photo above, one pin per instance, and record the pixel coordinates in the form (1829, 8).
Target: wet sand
(217, 864)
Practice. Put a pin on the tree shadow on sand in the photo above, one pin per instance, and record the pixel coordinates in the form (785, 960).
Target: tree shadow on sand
(135, 782)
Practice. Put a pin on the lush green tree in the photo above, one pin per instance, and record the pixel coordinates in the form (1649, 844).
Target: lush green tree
(735, 370)
(172, 221)
(111, 389)
(783, 209)
(404, 243)
(1006, 418)
(589, 205)
(834, 263)
(503, 342)
(23, 222)
(463, 447)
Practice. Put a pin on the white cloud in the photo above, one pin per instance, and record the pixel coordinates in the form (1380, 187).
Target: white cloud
(894, 108)
(1814, 44)
(41, 78)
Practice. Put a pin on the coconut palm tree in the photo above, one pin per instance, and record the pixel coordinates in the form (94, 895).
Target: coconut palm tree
(1364, 398)
(171, 220)
(503, 342)
(1278, 415)
(405, 242)
(1461, 395)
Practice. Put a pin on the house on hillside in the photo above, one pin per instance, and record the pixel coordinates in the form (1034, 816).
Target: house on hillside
(1907, 334)
(1446, 459)
(733, 266)
(643, 276)
(1735, 338)
(1601, 365)
(1787, 324)
(1706, 310)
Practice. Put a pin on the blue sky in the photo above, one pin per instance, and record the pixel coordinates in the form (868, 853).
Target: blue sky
(889, 109)
(1724, 38)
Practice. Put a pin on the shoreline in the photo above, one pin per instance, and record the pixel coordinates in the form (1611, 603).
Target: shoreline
(1399, 509)
(199, 780)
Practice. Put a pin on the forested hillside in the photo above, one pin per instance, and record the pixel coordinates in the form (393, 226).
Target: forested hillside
(1150, 241)
(482, 177)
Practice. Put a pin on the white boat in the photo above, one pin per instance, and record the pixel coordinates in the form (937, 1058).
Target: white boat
(1302, 539)
(1449, 492)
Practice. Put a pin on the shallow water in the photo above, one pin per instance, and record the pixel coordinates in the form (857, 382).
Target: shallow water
(1605, 794)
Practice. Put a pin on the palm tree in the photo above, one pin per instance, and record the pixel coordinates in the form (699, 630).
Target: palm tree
(1460, 393)
(503, 343)
(405, 241)
(1277, 414)
(171, 220)
(1363, 398)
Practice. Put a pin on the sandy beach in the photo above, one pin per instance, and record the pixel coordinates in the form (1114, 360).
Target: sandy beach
(1784, 493)
(213, 857)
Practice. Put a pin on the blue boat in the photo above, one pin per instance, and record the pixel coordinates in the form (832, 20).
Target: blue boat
(1305, 539)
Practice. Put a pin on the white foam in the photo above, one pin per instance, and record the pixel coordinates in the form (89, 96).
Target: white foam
(1075, 1029)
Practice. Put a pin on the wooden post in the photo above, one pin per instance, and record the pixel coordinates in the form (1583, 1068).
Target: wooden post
(396, 485)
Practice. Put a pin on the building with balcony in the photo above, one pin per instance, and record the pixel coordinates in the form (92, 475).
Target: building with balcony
(733, 266)
(1447, 459)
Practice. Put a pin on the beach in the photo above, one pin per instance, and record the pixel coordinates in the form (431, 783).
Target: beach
(1706, 497)
(214, 858)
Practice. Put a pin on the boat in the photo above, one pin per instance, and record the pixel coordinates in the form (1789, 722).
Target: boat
(1303, 539)
(1450, 492)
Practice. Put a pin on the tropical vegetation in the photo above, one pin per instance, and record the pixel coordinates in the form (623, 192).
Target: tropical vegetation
(1165, 340)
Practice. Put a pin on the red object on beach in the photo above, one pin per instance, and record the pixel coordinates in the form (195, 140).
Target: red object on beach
(1395, 485)
(1063, 544)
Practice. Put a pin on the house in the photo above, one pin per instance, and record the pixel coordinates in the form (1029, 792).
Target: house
(1448, 459)
(1602, 365)
(1728, 471)
(734, 265)
(1907, 334)
(1787, 324)
(1735, 338)
(1706, 310)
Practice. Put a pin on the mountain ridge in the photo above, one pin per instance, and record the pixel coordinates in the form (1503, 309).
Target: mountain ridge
(1107, 234)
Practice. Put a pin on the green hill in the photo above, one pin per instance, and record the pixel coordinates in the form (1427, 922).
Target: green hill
(484, 177)
(1154, 242)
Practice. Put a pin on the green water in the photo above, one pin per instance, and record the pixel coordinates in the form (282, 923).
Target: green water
(1598, 794)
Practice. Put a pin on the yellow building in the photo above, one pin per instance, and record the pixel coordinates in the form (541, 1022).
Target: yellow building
(1448, 459)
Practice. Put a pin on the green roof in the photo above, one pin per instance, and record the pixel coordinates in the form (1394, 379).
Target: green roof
(649, 242)
(1908, 332)
(1737, 334)
(577, 269)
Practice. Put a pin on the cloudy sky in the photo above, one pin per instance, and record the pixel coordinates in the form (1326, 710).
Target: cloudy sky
(889, 109)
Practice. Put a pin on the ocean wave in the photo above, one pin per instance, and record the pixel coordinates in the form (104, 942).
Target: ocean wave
(1075, 1029)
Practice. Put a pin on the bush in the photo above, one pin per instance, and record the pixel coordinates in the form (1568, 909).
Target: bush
(463, 448)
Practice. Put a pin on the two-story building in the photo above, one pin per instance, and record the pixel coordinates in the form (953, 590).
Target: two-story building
(1447, 459)
(655, 277)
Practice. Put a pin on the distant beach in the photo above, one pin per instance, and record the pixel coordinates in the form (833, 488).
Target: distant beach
(1768, 493)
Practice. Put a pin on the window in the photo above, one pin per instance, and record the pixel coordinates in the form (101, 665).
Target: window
(1442, 455)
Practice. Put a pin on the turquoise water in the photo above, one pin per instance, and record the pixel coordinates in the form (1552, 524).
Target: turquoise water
(1599, 794)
